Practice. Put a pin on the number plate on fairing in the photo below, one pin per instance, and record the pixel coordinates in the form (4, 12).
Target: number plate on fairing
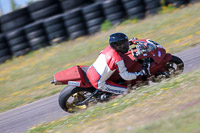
(73, 83)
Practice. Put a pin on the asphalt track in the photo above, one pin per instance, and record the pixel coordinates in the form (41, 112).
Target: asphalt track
(22, 118)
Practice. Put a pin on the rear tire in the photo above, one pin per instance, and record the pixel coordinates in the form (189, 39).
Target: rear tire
(67, 93)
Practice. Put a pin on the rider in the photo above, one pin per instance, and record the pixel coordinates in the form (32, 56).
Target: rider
(110, 61)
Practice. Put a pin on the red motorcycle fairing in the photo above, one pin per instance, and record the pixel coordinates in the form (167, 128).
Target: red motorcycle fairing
(74, 76)
(159, 56)
(162, 65)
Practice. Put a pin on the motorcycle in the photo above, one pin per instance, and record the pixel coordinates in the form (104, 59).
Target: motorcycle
(147, 55)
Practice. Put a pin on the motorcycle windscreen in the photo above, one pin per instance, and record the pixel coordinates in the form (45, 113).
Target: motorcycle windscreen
(71, 74)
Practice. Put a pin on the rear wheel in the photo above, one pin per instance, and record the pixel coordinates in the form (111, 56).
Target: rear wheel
(175, 66)
(70, 96)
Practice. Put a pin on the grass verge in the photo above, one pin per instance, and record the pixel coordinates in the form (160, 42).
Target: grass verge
(173, 104)
(27, 79)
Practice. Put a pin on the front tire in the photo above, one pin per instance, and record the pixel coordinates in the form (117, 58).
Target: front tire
(175, 66)
(70, 96)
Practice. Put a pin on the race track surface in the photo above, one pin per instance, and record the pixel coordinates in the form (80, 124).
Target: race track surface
(22, 118)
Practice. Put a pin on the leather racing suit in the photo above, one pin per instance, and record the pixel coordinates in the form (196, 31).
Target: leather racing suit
(105, 65)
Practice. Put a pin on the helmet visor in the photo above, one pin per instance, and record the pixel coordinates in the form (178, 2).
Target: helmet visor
(123, 46)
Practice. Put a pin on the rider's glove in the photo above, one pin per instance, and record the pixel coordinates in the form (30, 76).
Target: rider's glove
(142, 73)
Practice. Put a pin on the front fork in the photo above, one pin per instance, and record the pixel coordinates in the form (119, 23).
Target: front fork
(147, 65)
(156, 69)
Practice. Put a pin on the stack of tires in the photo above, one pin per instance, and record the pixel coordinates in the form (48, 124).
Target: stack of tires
(36, 36)
(72, 4)
(193, 1)
(43, 9)
(4, 50)
(134, 8)
(152, 6)
(14, 20)
(94, 17)
(114, 11)
(17, 42)
(74, 23)
(55, 29)
(176, 3)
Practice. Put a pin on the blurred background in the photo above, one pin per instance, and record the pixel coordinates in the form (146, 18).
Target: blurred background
(42, 37)
(10, 5)
(28, 25)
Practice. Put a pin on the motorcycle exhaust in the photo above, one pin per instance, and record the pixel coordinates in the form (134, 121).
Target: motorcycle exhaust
(56, 82)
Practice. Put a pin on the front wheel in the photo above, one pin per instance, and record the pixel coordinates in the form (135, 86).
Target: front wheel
(175, 66)
(70, 96)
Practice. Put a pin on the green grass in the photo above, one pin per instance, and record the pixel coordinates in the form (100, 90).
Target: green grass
(106, 25)
(186, 122)
(26, 79)
(170, 104)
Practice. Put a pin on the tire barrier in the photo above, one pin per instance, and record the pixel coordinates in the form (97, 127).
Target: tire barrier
(14, 20)
(17, 42)
(46, 22)
(4, 49)
(43, 9)
(176, 3)
(72, 4)
(114, 11)
(152, 6)
(94, 17)
(74, 23)
(134, 8)
(36, 36)
(193, 1)
(55, 29)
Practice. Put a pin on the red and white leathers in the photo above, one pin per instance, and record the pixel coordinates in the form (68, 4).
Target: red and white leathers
(106, 64)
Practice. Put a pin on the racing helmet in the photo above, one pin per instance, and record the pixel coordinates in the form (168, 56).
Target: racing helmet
(119, 42)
